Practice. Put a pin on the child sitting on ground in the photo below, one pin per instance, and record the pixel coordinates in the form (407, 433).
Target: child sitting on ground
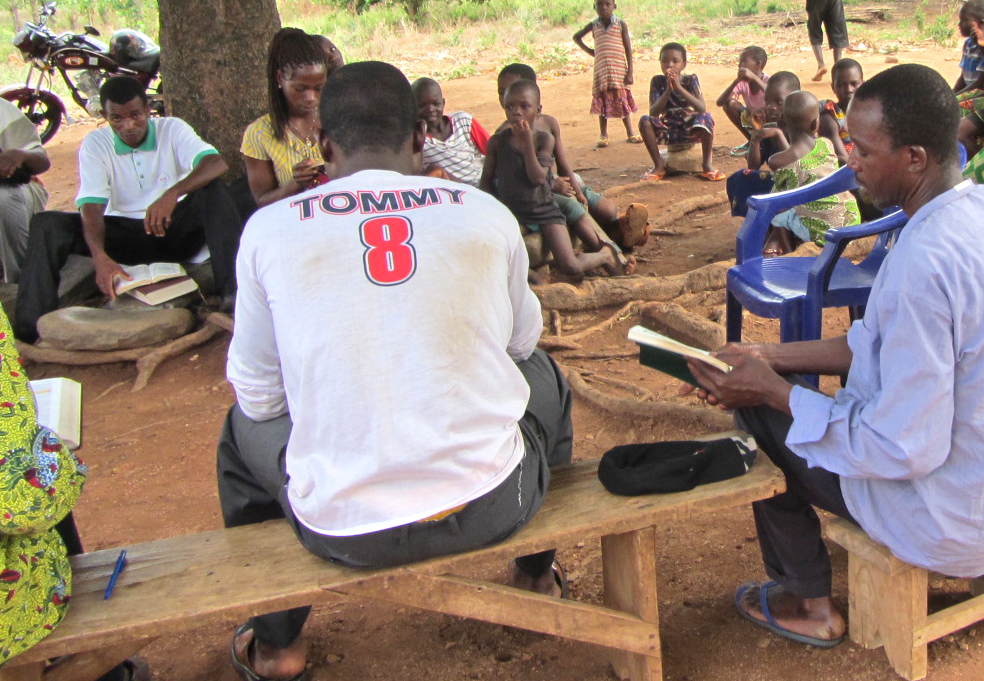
(748, 86)
(516, 171)
(767, 137)
(610, 94)
(809, 158)
(576, 200)
(845, 78)
(455, 145)
(677, 114)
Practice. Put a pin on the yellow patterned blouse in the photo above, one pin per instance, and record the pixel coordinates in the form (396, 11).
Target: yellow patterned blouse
(260, 143)
(40, 481)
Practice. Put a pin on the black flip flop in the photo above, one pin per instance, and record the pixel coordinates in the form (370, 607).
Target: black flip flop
(242, 666)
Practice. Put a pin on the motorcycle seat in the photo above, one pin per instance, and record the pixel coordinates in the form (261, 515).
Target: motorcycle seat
(148, 63)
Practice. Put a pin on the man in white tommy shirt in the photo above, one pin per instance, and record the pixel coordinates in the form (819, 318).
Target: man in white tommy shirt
(391, 403)
(148, 192)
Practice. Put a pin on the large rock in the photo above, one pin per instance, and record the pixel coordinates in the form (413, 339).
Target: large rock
(84, 328)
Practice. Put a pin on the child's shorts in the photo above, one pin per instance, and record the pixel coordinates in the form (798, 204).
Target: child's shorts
(573, 209)
(972, 104)
(686, 131)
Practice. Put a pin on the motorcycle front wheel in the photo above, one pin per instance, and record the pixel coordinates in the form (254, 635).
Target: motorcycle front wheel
(43, 108)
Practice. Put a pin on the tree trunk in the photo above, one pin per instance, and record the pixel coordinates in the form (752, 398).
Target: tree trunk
(213, 58)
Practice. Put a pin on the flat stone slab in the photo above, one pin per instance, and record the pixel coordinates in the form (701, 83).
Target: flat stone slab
(85, 328)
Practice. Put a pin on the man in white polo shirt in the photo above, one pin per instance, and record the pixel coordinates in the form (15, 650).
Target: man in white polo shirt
(391, 404)
(148, 192)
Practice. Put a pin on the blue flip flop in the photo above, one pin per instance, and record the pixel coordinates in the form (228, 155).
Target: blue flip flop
(770, 621)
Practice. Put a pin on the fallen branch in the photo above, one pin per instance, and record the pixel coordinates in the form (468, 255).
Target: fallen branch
(556, 323)
(657, 411)
(149, 362)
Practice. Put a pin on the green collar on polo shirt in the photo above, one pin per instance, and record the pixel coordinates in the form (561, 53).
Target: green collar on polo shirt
(149, 143)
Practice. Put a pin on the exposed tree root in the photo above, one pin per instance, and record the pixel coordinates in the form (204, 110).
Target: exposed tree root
(657, 411)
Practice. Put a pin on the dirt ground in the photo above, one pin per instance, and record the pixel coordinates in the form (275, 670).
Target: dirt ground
(151, 461)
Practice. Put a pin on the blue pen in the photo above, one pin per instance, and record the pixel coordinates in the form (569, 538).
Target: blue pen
(120, 562)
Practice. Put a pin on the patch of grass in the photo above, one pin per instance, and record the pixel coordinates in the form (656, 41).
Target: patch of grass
(744, 8)
(463, 70)
(941, 31)
(554, 59)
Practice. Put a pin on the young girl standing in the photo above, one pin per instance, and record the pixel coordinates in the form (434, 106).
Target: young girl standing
(610, 95)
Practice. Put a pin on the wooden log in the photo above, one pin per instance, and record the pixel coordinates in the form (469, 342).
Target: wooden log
(856, 15)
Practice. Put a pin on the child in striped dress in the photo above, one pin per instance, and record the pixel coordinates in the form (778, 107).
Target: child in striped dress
(610, 94)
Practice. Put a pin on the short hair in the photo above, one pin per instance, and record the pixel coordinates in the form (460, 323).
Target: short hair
(121, 90)
(423, 84)
(785, 78)
(677, 47)
(975, 9)
(516, 69)
(524, 84)
(368, 105)
(918, 108)
(756, 53)
(291, 48)
(845, 64)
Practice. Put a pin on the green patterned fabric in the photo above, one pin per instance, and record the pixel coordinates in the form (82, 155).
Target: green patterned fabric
(839, 210)
(40, 481)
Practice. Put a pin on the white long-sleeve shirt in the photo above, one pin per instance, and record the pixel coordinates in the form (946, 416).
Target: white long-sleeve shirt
(386, 313)
(906, 434)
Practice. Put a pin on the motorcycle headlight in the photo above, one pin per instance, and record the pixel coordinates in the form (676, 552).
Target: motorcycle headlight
(22, 41)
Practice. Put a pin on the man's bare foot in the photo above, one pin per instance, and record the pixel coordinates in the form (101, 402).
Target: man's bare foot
(807, 620)
(818, 76)
(266, 661)
(544, 584)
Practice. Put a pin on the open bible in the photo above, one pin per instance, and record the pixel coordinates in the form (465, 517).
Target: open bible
(59, 402)
(669, 356)
(155, 283)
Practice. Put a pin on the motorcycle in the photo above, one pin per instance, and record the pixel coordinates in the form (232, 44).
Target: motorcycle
(84, 63)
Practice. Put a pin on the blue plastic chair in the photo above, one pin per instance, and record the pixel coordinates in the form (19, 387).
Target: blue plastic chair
(795, 290)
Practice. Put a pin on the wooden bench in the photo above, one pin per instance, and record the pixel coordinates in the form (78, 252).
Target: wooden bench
(206, 579)
(887, 602)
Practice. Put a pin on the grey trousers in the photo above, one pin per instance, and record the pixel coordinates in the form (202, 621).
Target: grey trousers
(788, 527)
(252, 482)
(18, 204)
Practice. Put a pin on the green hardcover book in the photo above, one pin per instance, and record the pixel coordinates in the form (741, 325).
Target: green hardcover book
(669, 356)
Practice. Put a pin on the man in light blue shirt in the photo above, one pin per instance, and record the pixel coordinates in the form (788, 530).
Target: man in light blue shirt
(900, 450)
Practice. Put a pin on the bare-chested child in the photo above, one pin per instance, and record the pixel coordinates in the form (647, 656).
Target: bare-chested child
(576, 200)
(807, 159)
(455, 144)
(517, 171)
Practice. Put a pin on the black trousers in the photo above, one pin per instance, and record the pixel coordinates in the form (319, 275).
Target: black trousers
(205, 216)
(827, 14)
(252, 480)
(788, 527)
